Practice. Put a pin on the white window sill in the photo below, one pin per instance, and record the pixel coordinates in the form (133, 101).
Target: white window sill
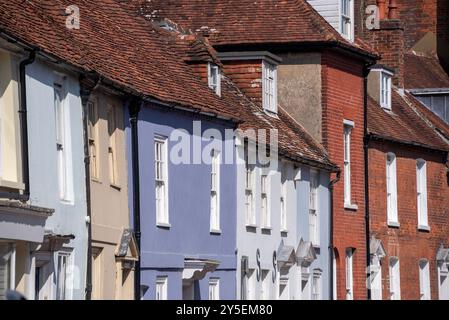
(393, 224)
(254, 226)
(423, 228)
(266, 228)
(284, 230)
(316, 245)
(164, 225)
(215, 231)
(271, 113)
(12, 185)
(353, 207)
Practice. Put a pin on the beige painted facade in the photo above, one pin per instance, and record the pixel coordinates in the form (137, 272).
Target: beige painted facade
(10, 143)
(299, 89)
(112, 275)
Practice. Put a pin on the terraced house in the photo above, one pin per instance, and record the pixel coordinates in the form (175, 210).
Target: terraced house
(320, 83)
(408, 151)
(222, 150)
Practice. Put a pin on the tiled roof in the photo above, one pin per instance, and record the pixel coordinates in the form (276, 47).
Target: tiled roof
(421, 72)
(403, 124)
(232, 22)
(115, 42)
(435, 121)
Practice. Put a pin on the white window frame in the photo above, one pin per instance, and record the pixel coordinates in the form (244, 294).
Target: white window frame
(265, 212)
(62, 285)
(421, 194)
(250, 178)
(11, 264)
(376, 278)
(347, 134)
(424, 280)
(395, 278)
(215, 192)
(392, 190)
(161, 288)
(269, 87)
(305, 283)
(350, 273)
(92, 106)
(314, 216)
(284, 206)
(443, 280)
(161, 183)
(317, 285)
(214, 78)
(112, 125)
(59, 88)
(284, 281)
(346, 24)
(385, 78)
(214, 289)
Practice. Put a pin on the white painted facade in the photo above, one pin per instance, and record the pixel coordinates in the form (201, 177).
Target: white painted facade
(260, 273)
(57, 181)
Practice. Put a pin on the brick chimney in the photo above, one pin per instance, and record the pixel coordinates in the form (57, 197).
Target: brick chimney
(388, 40)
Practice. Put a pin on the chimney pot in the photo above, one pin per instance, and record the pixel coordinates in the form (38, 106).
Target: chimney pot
(382, 9)
(393, 10)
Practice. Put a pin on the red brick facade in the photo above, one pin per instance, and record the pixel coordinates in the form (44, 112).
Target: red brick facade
(407, 242)
(342, 99)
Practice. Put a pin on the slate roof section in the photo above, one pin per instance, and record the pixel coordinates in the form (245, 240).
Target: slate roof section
(116, 43)
(237, 22)
(403, 124)
(422, 72)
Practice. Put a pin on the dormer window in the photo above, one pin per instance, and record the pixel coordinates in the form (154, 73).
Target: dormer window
(269, 100)
(214, 79)
(385, 89)
(347, 19)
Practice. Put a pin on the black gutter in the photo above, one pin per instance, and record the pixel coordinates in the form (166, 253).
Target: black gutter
(134, 110)
(366, 140)
(24, 125)
(331, 234)
(85, 92)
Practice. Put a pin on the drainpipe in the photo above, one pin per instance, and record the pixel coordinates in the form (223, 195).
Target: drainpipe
(331, 234)
(134, 110)
(25, 196)
(366, 158)
(85, 92)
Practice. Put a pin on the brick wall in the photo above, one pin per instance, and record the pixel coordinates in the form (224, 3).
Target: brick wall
(406, 242)
(247, 75)
(342, 98)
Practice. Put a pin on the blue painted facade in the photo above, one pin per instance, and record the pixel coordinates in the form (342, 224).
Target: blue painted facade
(164, 250)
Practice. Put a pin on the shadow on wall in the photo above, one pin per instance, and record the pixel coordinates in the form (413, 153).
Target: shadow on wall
(443, 32)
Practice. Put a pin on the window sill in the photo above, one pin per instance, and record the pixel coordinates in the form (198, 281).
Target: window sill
(352, 207)
(423, 228)
(12, 185)
(96, 180)
(163, 225)
(253, 226)
(268, 228)
(284, 230)
(271, 113)
(115, 186)
(393, 224)
(215, 231)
